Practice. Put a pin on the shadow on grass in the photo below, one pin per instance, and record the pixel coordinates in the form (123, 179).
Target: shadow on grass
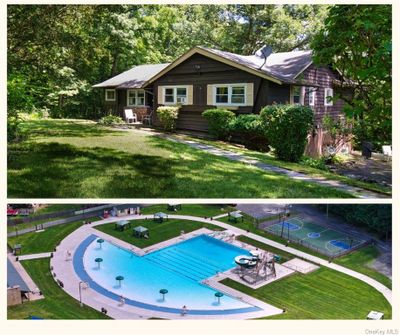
(54, 170)
(65, 128)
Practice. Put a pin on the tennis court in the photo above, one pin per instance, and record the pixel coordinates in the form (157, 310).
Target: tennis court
(322, 239)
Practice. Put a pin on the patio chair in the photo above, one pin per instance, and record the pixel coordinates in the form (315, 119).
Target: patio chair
(387, 152)
(147, 118)
(130, 116)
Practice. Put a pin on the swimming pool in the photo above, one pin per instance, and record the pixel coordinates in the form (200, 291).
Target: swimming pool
(179, 268)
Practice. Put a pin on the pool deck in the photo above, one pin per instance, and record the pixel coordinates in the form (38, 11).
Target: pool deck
(63, 267)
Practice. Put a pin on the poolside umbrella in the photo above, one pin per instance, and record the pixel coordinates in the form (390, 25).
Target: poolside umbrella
(119, 279)
(100, 241)
(163, 291)
(98, 261)
(219, 295)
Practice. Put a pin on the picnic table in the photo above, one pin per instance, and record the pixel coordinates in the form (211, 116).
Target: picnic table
(140, 231)
(122, 225)
(234, 217)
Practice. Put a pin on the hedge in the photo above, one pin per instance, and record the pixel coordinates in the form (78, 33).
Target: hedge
(168, 116)
(218, 122)
(287, 128)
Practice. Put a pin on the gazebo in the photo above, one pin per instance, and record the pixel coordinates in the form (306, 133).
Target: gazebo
(235, 216)
(160, 217)
(122, 225)
(140, 231)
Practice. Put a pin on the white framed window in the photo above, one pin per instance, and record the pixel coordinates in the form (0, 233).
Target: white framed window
(135, 98)
(328, 96)
(311, 96)
(230, 94)
(175, 95)
(110, 95)
(297, 95)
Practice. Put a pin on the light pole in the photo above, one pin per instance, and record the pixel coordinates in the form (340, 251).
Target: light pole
(80, 292)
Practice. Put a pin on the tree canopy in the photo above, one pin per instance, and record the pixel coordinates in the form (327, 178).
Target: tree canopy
(356, 41)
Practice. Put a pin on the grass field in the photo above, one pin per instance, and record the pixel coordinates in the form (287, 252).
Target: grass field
(158, 231)
(99, 162)
(57, 304)
(201, 210)
(322, 294)
(45, 241)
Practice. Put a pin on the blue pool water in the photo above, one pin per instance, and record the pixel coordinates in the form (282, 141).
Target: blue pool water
(179, 268)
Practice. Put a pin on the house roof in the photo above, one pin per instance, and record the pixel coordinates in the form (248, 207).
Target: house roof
(282, 67)
(285, 66)
(14, 278)
(133, 78)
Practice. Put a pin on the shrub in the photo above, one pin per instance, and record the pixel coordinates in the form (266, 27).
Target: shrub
(110, 120)
(287, 127)
(248, 129)
(317, 163)
(168, 116)
(218, 122)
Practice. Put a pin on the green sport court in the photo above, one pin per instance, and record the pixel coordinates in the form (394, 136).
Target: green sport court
(319, 238)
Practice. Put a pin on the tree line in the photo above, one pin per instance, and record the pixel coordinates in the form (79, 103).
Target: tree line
(56, 52)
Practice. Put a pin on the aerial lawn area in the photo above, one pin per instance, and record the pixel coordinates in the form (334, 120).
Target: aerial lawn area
(56, 303)
(322, 294)
(159, 232)
(201, 210)
(45, 241)
(80, 159)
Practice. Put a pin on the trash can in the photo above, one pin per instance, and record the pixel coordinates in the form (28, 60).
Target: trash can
(366, 149)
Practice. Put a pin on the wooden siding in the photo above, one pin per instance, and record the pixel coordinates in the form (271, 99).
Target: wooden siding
(323, 77)
(214, 72)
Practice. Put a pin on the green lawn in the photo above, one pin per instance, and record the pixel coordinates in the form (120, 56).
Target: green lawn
(80, 159)
(360, 260)
(269, 158)
(322, 294)
(158, 231)
(201, 210)
(45, 241)
(57, 304)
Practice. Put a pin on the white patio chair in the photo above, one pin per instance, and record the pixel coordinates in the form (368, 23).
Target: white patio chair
(130, 116)
(387, 151)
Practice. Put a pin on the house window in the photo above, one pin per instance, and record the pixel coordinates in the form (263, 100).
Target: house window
(175, 95)
(136, 98)
(297, 95)
(328, 97)
(311, 96)
(231, 94)
(110, 95)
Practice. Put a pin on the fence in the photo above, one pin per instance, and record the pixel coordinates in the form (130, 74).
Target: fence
(322, 251)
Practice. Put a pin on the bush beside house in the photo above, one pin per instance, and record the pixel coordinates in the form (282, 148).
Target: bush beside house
(249, 130)
(168, 116)
(218, 122)
(287, 128)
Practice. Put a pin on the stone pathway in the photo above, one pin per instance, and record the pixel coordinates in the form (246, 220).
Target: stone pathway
(234, 156)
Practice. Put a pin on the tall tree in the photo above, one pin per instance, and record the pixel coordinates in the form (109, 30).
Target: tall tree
(356, 41)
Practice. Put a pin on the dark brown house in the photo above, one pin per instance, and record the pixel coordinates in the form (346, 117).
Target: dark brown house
(204, 78)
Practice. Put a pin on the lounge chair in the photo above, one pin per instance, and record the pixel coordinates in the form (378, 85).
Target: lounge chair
(130, 116)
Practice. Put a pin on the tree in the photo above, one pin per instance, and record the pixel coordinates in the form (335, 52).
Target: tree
(356, 42)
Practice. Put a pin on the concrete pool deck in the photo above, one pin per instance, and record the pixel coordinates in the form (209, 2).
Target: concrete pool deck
(64, 270)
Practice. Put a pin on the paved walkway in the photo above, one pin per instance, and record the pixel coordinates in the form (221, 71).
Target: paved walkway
(65, 271)
(234, 156)
(34, 256)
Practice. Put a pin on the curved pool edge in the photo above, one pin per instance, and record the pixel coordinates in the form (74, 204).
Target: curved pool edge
(80, 271)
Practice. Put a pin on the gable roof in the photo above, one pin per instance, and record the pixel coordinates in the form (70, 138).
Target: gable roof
(281, 67)
(133, 78)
